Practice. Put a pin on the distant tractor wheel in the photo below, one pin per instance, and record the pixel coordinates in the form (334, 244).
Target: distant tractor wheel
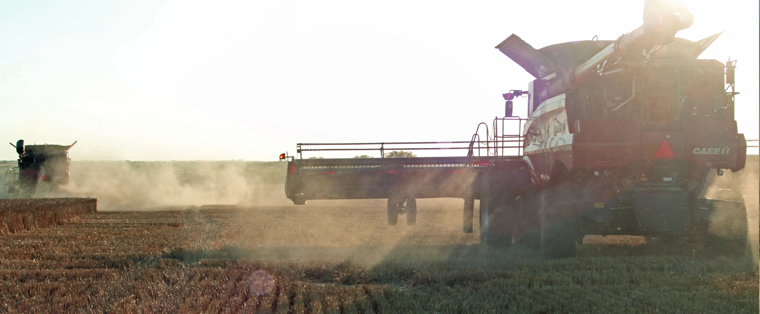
(392, 211)
(411, 211)
(495, 227)
(558, 222)
(467, 217)
(299, 200)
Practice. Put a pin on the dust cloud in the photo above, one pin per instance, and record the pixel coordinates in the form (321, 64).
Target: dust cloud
(126, 185)
(341, 230)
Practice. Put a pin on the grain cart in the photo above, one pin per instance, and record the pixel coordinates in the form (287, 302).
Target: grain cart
(620, 138)
(47, 164)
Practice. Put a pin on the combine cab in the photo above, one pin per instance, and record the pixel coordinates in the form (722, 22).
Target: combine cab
(37, 164)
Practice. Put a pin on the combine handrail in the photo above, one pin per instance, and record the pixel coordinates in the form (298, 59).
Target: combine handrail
(472, 141)
(384, 146)
(495, 146)
(504, 138)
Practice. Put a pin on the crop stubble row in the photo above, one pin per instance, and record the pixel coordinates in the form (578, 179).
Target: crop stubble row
(331, 258)
(28, 214)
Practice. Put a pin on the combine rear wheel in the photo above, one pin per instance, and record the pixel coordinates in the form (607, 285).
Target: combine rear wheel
(726, 229)
(558, 222)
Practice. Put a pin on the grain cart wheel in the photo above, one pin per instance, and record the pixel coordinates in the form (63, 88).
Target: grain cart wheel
(494, 229)
(558, 222)
(467, 217)
(394, 207)
(411, 211)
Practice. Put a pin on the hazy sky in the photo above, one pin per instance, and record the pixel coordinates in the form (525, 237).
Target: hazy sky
(189, 80)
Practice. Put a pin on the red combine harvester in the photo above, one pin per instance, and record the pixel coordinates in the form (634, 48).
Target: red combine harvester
(619, 139)
(47, 164)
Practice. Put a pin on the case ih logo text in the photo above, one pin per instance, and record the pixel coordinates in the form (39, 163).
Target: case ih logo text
(712, 151)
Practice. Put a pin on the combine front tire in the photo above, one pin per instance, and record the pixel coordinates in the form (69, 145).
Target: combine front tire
(495, 226)
(529, 232)
(558, 222)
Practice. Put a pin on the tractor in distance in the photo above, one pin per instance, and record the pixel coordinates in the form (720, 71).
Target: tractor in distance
(44, 164)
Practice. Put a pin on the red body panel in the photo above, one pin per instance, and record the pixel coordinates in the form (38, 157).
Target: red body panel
(653, 143)
(713, 143)
(609, 144)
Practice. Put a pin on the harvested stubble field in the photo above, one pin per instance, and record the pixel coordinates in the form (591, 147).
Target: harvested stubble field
(29, 214)
(341, 257)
